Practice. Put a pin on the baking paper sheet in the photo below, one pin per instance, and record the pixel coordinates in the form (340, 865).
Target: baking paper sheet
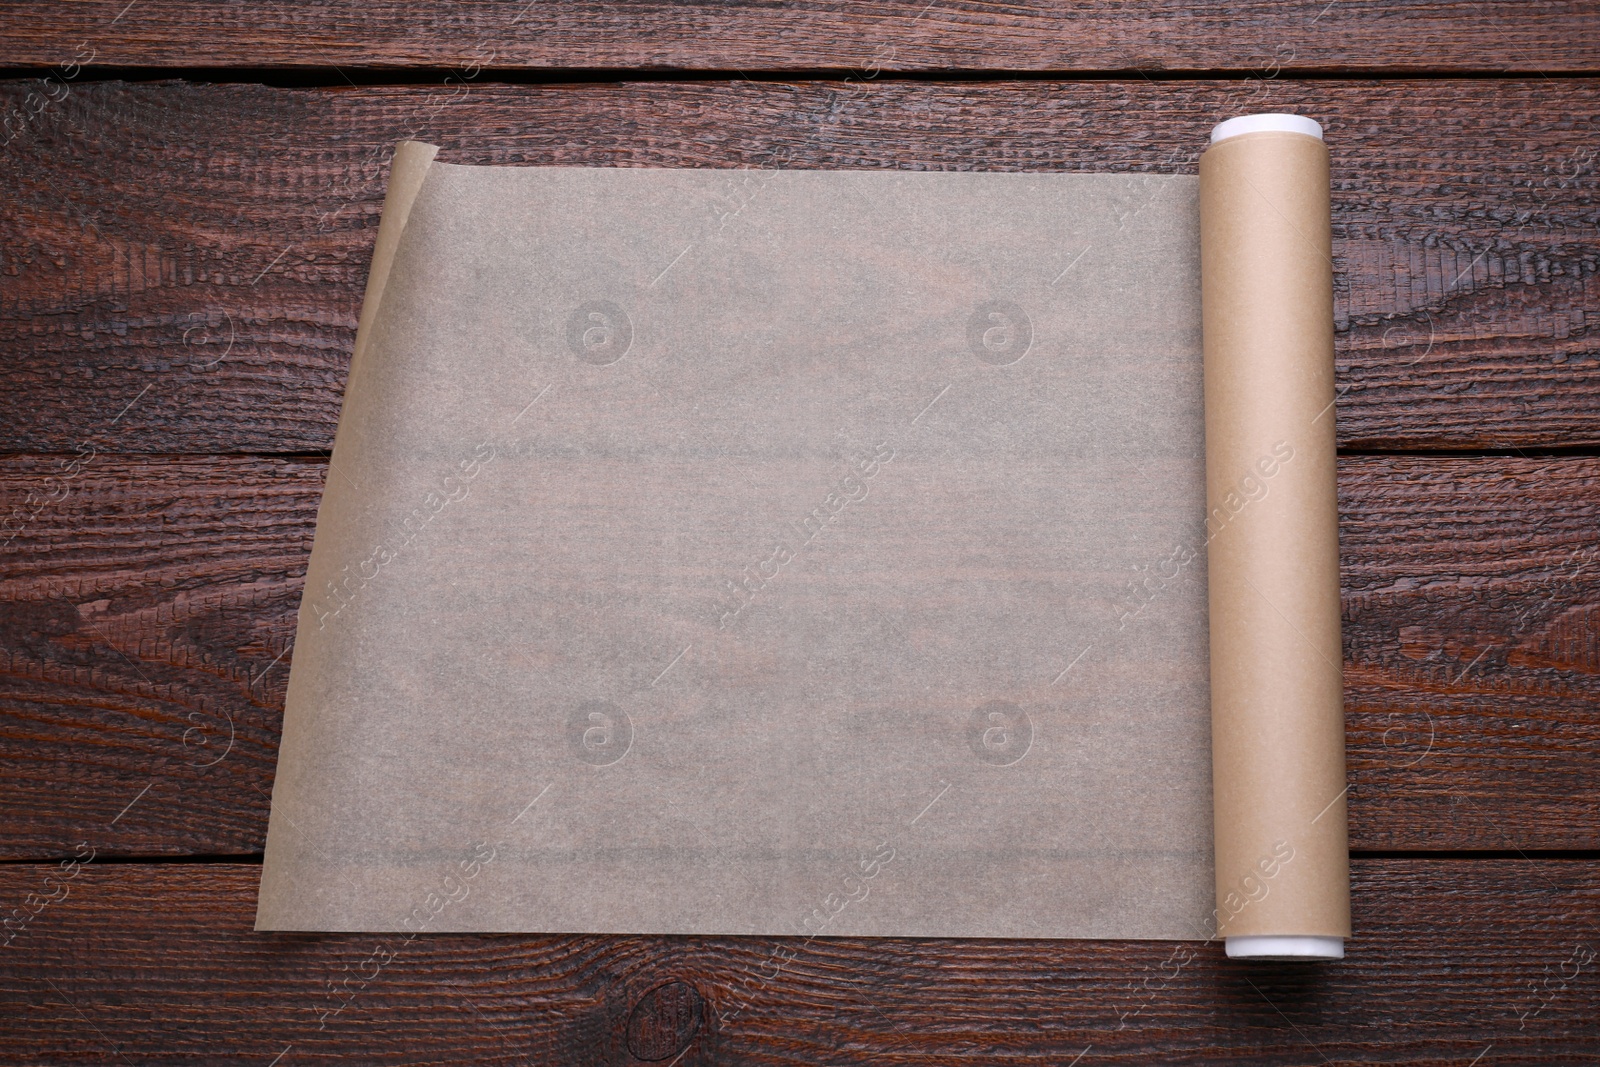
(760, 552)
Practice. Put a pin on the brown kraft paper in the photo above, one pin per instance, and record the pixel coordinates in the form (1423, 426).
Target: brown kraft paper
(825, 553)
(760, 552)
(1277, 723)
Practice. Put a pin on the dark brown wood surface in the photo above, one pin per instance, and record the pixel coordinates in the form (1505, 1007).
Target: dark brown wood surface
(183, 243)
(158, 964)
(729, 35)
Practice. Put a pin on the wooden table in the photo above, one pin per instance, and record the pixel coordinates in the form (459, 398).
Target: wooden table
(190, 198)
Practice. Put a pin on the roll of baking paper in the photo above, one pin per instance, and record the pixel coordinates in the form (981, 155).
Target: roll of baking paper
(1282, 859)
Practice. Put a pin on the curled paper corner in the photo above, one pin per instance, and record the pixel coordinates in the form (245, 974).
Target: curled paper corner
(407, 170)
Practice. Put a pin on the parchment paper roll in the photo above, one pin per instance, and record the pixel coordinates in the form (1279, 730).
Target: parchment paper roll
(1282, 858)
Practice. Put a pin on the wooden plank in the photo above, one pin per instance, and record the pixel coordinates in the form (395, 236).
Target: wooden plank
(1494, 959)
(149, 603)
(149, 612)
(1471, 595)
(198, 252)
(912, 35)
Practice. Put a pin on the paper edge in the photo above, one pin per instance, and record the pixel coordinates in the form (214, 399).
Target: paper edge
(408, 170)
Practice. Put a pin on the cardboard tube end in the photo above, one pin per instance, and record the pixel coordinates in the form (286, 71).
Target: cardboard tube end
(1275, 122)
(1285, 947)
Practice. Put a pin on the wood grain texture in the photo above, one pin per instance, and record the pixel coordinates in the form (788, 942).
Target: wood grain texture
(1471, 592)
(149, 611)
(149, 604)
(1311, 35)
(183, 263)
(158, 964)
(182, 267)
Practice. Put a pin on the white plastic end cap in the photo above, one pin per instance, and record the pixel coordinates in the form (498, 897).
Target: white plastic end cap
(1284, 947)
(1279, 123)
